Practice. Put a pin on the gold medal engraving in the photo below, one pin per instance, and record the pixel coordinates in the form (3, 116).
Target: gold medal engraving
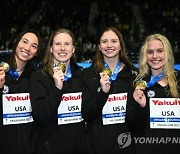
(5, 66)
(108, 71)
(62, 66)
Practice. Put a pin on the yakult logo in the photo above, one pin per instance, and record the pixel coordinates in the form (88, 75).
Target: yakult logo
(117, 98)
(17, 98)
(71, 98)
(157, 102)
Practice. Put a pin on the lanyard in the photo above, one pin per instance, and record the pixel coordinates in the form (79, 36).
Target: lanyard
(155, 79)
(69, 74)
(13, 73)
(116, 70)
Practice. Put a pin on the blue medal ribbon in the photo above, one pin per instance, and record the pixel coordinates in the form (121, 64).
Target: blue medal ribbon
(13, 73)
(116, 70)
(155, 79)
(69, 74)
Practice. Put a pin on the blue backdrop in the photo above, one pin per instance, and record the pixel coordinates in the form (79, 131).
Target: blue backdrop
(84, 65)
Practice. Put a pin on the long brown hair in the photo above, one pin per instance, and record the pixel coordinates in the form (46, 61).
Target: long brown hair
(47, 64)
(98, 60)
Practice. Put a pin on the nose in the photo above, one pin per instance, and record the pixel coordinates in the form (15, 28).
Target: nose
(109, 44)
(27, 47)
(154, 54)
(62, 47)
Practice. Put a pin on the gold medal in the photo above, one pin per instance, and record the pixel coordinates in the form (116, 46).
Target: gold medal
(62, 66)
(141, 83)
(5, 66)
(107, 71)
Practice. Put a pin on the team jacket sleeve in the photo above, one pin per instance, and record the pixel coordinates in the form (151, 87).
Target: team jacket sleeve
(92, 100)
(135, 115)
(45, 98)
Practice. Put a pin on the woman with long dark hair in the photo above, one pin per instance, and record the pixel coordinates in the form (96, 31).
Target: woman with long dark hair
(17, 127)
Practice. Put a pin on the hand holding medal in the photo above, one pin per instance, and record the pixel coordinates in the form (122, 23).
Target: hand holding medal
(141, 84)
(105, 79)
(62, 66)
(139, 96)
(5, 66)
(107, 71)
(59, 75)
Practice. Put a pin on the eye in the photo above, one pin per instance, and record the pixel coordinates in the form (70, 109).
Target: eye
(35, 46)
(103, 41)
(66, 43)
(149, 51)
(160, 50)
(58, 43)
(24, 41)
(114, 41)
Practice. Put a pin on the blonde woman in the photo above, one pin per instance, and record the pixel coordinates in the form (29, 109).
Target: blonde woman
(157, 93)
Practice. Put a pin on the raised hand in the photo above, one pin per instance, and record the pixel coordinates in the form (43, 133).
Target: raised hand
(105, 82)
(140, 97)
(2, 77)
(58, 77)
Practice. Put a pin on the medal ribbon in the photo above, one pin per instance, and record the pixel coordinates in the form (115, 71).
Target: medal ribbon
(69, 74)
(13, 73)
(155, 79)
(116, 70)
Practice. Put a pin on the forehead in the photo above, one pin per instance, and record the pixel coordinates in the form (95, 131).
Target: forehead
(63, 36)
(30, 37)
(155, 43)
(109, 34)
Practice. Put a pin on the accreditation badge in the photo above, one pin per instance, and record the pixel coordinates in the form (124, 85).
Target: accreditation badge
(16, 109)
(164, 113)
(69, 110)
(114, 111)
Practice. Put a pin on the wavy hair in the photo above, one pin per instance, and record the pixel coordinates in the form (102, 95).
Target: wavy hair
(168, 69)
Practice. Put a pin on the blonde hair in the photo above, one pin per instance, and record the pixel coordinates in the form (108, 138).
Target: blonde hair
(168, 65)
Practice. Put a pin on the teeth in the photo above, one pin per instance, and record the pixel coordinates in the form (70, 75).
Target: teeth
(155, 61)
(62, 54)
(24, 53)
(109, 50)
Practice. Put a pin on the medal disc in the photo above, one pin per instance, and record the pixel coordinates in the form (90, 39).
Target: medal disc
(107, 70)
(141, 83)
(5, 66)
(62, 66)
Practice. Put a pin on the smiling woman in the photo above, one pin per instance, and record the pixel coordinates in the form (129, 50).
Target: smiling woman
(158, 100)
(56, 98)
(106, 85)
(16, 125)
